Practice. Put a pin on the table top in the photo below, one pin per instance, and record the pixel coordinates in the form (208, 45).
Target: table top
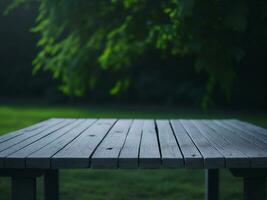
(126, 143)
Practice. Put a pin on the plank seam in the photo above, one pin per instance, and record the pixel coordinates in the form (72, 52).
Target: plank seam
(208, 125)
(24, 159)
(211, 143)
(90, 156)
(71, 140)
(41, 124)
(157, 134)
(124, 143)
(51, 125)
(239, 135)
(48, 143)
(193, 142)
(176, 141)
(32, 142)
(237, 127)
(139, 148)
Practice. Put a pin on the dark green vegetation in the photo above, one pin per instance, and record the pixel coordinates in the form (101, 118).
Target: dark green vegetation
(174, 51)
(171, 52)
(125, 184)
(16, 54)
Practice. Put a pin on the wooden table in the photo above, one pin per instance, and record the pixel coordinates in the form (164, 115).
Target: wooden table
(46, 147)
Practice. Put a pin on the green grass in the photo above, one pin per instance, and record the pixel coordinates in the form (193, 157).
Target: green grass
(125, 184)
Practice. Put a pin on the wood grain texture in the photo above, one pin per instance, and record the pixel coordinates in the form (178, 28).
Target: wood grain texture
(212, 157)
(28, 134)
(15, 157)
(128, 157)
(251, 127)
(135, 143)
(257, 156)
(256, 139)
(170, 151)
(234, 158)
(149, 156)
(11, 135)
(78, 152)
(191, 154)
(28, 142)
(42, 157)
(107, 153)
(258, 134)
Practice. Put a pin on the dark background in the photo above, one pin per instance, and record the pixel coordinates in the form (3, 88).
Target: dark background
(162, 88)
(155, 80)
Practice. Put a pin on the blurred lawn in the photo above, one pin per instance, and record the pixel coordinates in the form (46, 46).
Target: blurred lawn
(125, 184)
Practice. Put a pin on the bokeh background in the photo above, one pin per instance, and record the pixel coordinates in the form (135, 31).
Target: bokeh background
(159, 84)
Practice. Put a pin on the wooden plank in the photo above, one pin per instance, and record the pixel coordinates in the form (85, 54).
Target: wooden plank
(29, 134)
(257, 139)
(107, 153)
(212, 157)
(31, 141)
(233, 157)
(14, 157)
(14, 145)
(13, 134)
(249, 128)
(192, 156)
(42, 158)
(128, 157)
(170, 151)
(149, 156)
(257, 156)
(78, 152)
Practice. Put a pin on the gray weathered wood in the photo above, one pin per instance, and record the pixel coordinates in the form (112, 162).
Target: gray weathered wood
(27, 135)
(105, 143)
(257, 156)
(192, 157)
(128, 157)
(252, 127)
(11, 135)
(107, 153)
(25, 144)
(256, 139)
(42, 157)
(149, 156)
(233, 157)
(16, 159)
(212, 157)
(170, 151)
(78, 152)
(247, 130)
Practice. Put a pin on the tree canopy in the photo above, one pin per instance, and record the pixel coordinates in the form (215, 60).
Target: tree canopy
(80, 39)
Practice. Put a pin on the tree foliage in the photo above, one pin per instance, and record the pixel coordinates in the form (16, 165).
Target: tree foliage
(82, 39)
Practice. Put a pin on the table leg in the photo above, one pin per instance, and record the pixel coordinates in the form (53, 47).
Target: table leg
(23, 188)
(254, 188)
(254, 182)
(211, 184)
(51, 185)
